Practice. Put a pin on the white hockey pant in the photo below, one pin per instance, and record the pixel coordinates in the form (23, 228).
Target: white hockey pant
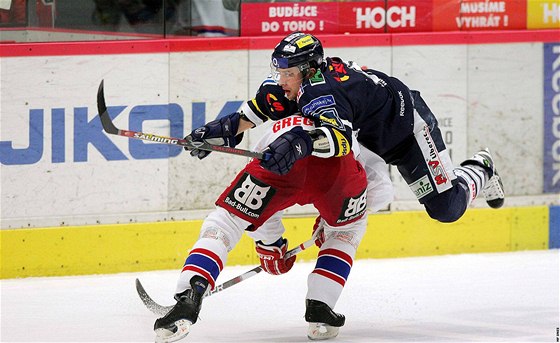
(219, 234)
(334, 261)
(379, 185)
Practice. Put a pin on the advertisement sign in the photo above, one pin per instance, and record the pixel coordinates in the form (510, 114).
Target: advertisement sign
(470, 15)
(543, 14)
(281, 18)
(363, 17)
(380, 16)
(377, 16)
(551, 100)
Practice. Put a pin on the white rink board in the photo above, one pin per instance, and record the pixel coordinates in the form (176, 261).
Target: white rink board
(472, 89)
(96, 186)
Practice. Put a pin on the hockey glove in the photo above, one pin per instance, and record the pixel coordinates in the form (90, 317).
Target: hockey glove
(291, 146)
(272, 257)
(221, 131)
(319, 226)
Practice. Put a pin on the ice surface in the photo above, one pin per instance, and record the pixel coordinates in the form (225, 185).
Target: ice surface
(501, 297)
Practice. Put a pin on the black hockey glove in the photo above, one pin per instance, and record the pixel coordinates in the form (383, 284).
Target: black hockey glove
(217, 132)
(287, 149)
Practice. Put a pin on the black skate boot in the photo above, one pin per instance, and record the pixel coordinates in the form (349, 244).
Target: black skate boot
(177, 322)
(323, 321)
(493, 191)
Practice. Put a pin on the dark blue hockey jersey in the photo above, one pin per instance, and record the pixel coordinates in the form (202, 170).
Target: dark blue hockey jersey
(343, 98)
(347, 98)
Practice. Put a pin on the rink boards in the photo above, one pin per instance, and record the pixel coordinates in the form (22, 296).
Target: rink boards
(74, 200)
(103, 249)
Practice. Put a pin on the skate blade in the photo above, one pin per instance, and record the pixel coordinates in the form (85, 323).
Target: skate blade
(320, 331)
(166, 336)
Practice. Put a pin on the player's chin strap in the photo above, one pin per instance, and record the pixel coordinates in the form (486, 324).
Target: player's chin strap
(162, 310)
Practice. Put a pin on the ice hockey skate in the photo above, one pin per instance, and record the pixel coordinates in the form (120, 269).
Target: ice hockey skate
(323, 321)
(176, 324)
(493, 191)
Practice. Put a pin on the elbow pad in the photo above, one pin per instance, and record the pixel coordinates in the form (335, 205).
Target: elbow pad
(271, 102)
(328, 142)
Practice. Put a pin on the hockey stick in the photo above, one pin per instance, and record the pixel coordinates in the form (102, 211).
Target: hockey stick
(162, 310)
(110, 128)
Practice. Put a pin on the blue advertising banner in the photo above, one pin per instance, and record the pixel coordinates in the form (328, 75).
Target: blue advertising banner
(551, 160)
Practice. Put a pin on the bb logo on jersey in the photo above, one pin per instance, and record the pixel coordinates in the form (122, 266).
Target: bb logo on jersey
(353, 208)
(250, 196)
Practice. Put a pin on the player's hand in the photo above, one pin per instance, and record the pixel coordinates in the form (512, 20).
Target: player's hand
(221, 131)
(272, 257)
(286, 150)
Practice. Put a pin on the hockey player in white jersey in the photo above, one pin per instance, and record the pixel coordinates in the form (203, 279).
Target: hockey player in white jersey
(336, 186)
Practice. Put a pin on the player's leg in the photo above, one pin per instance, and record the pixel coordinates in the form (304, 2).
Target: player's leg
(341, 198)
(220, 232)
(326, 282)
(444, 190)
(492, 189)
(379, 184)
(251, 199)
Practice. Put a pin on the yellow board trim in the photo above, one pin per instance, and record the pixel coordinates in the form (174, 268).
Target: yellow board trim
(103, 249)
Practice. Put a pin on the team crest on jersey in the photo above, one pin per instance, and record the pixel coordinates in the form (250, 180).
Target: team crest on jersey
(318, 103)
(323, 108)
(249, 196)
(317, 79)
(353, 208)
(329, 116)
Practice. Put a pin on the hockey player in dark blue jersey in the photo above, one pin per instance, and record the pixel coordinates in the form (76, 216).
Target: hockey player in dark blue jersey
(351, 106)
(391, 120)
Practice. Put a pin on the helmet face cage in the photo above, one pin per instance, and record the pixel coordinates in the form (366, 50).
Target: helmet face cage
(298, 50)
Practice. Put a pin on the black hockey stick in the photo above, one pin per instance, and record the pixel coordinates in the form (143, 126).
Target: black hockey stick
(162, 310)
(110, 128)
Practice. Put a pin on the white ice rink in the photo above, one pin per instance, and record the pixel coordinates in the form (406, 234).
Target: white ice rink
(503, 297)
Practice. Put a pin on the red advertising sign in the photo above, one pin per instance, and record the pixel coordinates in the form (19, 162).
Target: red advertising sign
(380, 16)
(281, 18)
(470, 15)
(362, 17)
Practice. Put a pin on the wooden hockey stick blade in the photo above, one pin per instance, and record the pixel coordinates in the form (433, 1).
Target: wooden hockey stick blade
(110, 128)
(162, 310)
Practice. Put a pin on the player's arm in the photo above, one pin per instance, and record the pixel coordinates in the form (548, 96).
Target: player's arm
(269, 103)
(333, 134)
(331, 142)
